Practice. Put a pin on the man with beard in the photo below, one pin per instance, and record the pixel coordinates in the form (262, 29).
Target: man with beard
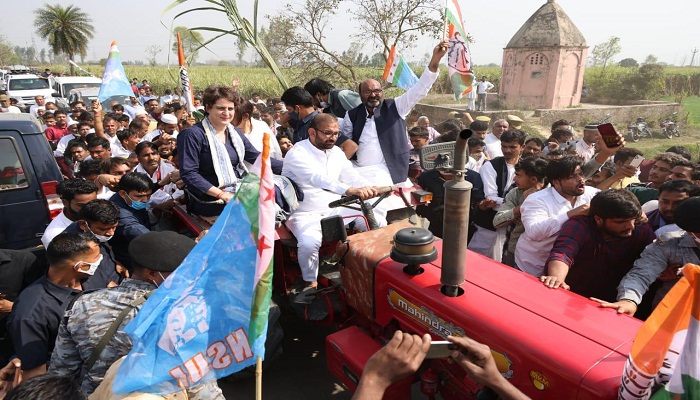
(378, 126)
(323, 172)
(593, 253)
(543, 213)
(74, 193)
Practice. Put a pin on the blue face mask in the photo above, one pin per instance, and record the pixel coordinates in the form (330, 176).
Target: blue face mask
(137, 205)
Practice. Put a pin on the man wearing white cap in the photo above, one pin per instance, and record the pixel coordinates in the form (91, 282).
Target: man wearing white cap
(166, 127)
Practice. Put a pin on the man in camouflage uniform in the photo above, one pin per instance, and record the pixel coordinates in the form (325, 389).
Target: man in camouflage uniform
(155, 256)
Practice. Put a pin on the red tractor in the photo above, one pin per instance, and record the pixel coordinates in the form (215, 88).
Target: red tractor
(551, 344)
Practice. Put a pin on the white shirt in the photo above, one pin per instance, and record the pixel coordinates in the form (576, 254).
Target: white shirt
(488, 176)
(256, 134)
(119, 151)
(105, 193)
(474, 165)
(543, 213)
(585, 150)
(169, 191)
(63, 143)
(11, 109)
(55, 228)
(132, 110)
(483, 87)
(369, 152)
(493, 146)
(323, 175)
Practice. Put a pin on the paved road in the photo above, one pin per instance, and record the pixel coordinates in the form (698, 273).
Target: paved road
(299, 374)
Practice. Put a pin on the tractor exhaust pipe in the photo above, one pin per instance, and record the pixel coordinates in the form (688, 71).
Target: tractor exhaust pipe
(456, 222)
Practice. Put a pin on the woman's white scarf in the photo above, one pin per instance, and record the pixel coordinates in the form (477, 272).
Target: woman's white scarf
(225, 172)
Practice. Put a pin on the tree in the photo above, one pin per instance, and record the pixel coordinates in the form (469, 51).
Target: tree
(7, 53)
(68, 30)
(651, 59)
(42, 56)
(628, 62)
(191, 43)
(297, 34)
(152, 52)
(604, 52)
(241, 47)
(397, 22)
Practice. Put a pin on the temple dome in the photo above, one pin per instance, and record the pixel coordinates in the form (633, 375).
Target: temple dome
(549, 26)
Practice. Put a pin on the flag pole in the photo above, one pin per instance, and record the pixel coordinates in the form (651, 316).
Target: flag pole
(446, 25)
(258, 378)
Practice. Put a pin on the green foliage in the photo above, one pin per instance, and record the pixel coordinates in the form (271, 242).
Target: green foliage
(7, 54)
(68, 30)
(604, 52)
(628, 62)
(191, 42)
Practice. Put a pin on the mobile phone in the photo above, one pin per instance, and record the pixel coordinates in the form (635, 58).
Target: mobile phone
(570, 145)
(440, 349)
(610, 136)
(637, 161)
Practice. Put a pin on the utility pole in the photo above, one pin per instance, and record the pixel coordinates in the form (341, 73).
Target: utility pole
(694, 51)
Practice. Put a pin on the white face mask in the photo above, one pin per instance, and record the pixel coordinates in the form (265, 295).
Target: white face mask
(161, 277)
(101, 238)
(323, 104)
(93, 266)
(175, 132)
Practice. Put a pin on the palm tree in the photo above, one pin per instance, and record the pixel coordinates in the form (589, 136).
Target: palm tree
(66, 29)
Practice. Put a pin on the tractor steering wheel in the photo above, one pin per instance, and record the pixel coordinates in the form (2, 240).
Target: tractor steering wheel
(366, 208)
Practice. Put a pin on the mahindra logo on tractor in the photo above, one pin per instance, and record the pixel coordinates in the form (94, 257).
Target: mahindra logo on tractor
(426, 317)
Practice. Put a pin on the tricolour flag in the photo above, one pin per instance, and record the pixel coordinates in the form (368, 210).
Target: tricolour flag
(666, 345)
(209, 318)
(184, 76)
(114, 80)
(398, 72)
(459, 59)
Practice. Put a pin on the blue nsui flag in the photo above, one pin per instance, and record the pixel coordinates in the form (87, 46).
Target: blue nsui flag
(114, 80)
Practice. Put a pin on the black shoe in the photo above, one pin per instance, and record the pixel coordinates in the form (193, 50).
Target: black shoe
(306, 295)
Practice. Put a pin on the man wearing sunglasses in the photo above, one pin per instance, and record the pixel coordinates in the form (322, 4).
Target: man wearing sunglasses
(323, 173)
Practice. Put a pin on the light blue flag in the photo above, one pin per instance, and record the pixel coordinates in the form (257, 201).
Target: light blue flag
(209, 318)
(114, 80)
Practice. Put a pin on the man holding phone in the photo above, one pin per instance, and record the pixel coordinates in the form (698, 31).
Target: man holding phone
(585, 147)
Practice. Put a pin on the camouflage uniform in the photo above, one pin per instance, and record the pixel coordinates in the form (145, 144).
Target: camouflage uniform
(85, 324)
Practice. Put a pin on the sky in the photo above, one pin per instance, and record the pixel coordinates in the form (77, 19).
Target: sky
(668, 29)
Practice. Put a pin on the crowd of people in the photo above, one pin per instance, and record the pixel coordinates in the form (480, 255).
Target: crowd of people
(573, 212)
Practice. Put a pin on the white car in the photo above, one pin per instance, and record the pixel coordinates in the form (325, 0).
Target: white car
(63, 85)
(25, 86)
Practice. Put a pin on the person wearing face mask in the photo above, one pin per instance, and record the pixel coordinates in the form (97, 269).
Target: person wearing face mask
(74, 194)
(100, 218)
(132, 199)
(37, 312)
(661, 260)
(78, 345)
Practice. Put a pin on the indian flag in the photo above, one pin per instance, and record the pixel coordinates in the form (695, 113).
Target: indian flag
(398, 72)
(665, 350)
(459, 61)
(209, 318)
(184, 76)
